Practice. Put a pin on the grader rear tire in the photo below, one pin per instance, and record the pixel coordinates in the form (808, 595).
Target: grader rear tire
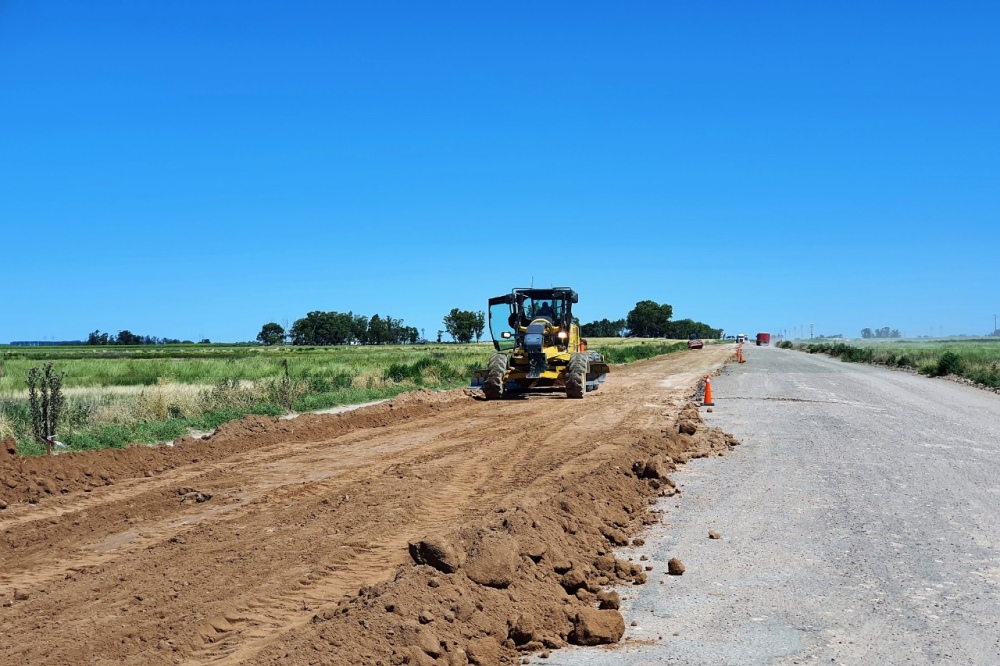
(576, 376)
(493, 386)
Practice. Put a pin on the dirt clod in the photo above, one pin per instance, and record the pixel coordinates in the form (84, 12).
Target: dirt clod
(609, 600)
(435, 551)
(592, 626)
(492, 561)
(675, 567)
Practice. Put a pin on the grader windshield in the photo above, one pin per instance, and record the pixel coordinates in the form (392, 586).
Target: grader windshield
(510, 314)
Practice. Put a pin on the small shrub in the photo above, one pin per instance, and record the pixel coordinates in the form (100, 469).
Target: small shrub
(84, 441)
(987, 376)
(329, 383)
(228, 394)
(159, 431)
(927, 368)
(857, 354)
(904, 361)
(115, 436)
(949, 363)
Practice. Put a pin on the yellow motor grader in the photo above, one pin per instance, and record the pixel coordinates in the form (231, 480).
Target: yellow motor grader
(538, 345)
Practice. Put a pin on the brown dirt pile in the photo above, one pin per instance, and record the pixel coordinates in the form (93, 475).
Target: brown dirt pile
(526, 578)
(435, 528)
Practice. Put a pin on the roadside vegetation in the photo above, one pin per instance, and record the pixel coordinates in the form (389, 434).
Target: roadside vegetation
(976, 359)
(115, 396)
(118, 395)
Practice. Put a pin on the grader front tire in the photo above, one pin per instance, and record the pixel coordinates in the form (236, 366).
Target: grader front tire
(576, 376)
(493, 386)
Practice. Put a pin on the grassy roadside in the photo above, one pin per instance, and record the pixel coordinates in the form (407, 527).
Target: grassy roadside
(977, 360)
(627, 353)
(119, 396)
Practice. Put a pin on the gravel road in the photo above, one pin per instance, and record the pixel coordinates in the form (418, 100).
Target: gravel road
(860, 524)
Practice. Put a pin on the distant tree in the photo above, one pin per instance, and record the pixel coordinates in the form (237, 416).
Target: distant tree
(683, 329)
(97, 338)
(378, 330)
(895, 333)
(358, 327)
(338, 328)
(440, 333)
(127, 337)
(605, 328)
(271, 334)
(867, 333)
(480, 324)
(307, 330)
(397, 333)
(461, 324)
(204, 341)
(649, 319)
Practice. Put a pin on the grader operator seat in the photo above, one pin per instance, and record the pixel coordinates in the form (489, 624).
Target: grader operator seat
(545, 311)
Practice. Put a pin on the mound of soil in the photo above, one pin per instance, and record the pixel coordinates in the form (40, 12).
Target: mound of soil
(525, 579)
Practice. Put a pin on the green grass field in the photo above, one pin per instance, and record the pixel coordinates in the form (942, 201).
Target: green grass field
(977, 359)
(116, 396)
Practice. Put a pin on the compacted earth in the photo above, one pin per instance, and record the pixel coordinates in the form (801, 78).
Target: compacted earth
(437, 528)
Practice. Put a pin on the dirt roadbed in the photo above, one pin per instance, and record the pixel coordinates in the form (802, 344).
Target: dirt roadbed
(437, 528)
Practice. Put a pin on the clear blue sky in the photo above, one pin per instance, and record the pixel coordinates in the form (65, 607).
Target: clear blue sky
(199, 168)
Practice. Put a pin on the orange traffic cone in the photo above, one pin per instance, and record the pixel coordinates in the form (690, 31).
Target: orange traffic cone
(708, 393)
(739, 354)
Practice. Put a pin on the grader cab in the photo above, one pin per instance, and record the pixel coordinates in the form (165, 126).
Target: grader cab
(538, 345)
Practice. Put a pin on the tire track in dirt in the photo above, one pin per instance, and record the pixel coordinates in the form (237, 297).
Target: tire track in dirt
(131, 573)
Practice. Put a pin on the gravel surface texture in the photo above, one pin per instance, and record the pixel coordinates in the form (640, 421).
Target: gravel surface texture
(859, 523)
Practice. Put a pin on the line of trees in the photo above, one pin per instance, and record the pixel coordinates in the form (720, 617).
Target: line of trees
(649, 319)
(127, 337)
(320, 328)
(883, 332)
(605, 328)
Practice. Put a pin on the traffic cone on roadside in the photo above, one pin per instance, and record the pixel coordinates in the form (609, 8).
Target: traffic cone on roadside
(708, 393)
(739, 354)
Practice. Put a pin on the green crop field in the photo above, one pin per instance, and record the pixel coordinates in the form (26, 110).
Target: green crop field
(976, 359)
(116, 396)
